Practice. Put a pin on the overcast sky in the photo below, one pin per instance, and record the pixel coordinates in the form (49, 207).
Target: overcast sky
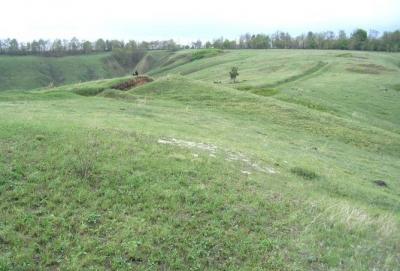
(189, 20)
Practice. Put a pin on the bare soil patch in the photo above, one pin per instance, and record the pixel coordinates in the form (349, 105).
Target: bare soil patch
(135, 82)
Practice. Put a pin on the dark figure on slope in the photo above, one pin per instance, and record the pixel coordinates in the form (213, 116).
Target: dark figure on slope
(234, 73)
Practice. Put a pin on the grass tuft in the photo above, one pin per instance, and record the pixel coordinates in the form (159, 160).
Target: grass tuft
(396, 87)
(83, 161)
(266, 91)
(368, 69)
(304, 173)
(40, 137)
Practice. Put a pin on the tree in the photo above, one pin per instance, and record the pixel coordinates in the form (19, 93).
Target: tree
(171, 45)
(74, 45)
(42, 45)
(108, 46)
(117, 44)
(65, 44)
(391, 41)
(359, 35)
(144, 45)
(234, 73)
(300, 41)
(35, 47)
(23, 48)
(310, 42)
(244, 41)
(57, 47)
(87, 47)
(260, 41)
(1, 46)
(197, 45)
(227, 44)
(100, 45)
(329, 40)
(131, 44)
(287, 40)
(342, 42)
(218, 43)
(373, 42)
(13, 46)
(359, 39)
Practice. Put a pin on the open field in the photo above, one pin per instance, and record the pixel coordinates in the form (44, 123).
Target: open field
(192, 172)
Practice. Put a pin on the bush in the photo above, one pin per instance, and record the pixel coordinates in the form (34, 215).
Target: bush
(234, 73)
(304, 173)
(205, 53)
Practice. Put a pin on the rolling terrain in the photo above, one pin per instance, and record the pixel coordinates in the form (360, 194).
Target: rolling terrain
(29, 72)
(294, 167)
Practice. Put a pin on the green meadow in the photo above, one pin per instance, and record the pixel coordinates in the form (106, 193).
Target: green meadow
(296, 166)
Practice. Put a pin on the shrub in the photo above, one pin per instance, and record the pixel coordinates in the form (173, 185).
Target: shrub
(234, 73)
(205, 53)
(83, 162)
(304, 173)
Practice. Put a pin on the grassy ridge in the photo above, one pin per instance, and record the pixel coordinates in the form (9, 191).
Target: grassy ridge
(182, 173)
(322, 80)
(33, 72)
(28, 72)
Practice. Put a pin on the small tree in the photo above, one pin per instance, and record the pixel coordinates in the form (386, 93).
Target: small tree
(234, 73)
(359, 39)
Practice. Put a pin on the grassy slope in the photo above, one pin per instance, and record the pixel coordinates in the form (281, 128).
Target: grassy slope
(367, 94)
(86, 181)
(28, 72)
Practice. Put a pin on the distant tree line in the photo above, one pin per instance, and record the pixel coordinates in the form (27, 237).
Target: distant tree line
(357, 40)
(75, 46)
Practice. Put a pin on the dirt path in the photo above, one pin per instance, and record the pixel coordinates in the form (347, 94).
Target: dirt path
(213, 151)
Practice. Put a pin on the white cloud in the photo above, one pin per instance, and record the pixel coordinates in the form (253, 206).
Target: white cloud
(126, 19)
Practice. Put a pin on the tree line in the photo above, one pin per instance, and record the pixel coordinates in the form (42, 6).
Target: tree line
(75, 46)
(357, 40)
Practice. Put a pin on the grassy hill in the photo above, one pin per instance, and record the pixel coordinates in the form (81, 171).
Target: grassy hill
(358, 85)
(28, 72)
(280, 171)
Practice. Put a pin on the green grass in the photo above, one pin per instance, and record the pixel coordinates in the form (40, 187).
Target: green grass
(205, 53)
(396, 87)
(265, 91)
(310, 77)
(29, 72)
(185, 174)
